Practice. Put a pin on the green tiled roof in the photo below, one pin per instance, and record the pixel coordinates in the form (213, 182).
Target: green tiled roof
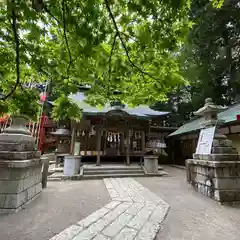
(229, 115)
(141, 111)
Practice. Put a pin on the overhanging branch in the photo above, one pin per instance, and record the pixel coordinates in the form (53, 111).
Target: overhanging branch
(17, 44)
(65, 35)
(111, 53)
(110, 60)
(123, 43)
(50, 14)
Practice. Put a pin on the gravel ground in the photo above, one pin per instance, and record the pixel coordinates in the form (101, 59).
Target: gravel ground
(192, 216)
(59, 206)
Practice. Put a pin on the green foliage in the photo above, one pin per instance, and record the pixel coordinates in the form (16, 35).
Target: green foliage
(209, 60)
(65, 109)
(131, 46)
(217, 3)
(213, 52)
(24, 103)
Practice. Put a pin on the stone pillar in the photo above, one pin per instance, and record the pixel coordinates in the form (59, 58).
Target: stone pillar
(216, 175)
(20, 169)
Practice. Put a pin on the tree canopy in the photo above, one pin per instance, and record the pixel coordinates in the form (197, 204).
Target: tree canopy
(130, 46)
(209, 60)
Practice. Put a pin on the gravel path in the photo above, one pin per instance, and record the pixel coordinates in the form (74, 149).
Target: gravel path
(192, 216)
(59, 206)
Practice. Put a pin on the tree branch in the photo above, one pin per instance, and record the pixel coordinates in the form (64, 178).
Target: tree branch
(17, 57)
(50, 14)
(110, 59)
(65, 36)
(123, 43)
(111, 53)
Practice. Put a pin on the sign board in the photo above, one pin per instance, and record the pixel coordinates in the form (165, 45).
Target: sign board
(76, 148)
(205, 141)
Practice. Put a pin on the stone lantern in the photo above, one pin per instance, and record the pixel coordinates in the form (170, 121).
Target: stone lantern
(221, 147)
(217, 174)
(63, 137)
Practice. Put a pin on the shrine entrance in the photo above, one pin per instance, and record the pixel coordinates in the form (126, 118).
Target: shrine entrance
(115, 137)
(124, 136)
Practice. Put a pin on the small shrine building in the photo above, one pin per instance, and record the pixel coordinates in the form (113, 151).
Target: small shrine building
(115, 133)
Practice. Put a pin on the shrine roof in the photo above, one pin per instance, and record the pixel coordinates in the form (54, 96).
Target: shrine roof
(228, 116)
(141, 111)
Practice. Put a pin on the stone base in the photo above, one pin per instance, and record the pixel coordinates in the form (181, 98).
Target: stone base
(219, 180)
(151, 164)
(20, 182)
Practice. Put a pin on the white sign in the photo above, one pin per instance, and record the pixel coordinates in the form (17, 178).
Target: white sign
(205, 141)
(76, 148)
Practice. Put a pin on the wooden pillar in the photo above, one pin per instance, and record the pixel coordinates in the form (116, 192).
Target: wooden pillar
(73, 141)
(143, 142)
(85, 141)
(128, 146)
(98, 132)
(122, 143)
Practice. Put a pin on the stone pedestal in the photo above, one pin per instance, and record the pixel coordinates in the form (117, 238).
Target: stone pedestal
(217, 174)
(219, 180)
(151, 164)
(20, 171)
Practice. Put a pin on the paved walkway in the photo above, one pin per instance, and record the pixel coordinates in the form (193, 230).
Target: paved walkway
(134, 213)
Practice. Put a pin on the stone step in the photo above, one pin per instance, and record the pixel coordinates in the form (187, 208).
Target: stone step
(60, 176)
(108, 168)
(112, 171)
(123, 175)
(112, 167)
(119, 175)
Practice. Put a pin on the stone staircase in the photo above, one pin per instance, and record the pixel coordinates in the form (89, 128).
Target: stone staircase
(114, 171)
(91, 171)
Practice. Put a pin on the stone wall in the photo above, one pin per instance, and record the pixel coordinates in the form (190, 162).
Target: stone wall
(20, 182)
(219, 180)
